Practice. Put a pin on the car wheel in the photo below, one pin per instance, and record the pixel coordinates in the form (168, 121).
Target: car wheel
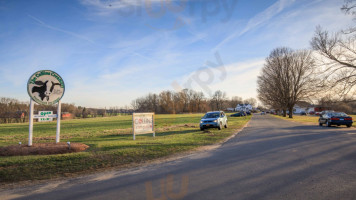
(348, 126)
(220, 126)
(328, 124)
(225, 125)
(320, 124)
(202, 128)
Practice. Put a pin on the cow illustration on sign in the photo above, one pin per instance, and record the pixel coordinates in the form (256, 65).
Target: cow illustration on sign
(45, 89)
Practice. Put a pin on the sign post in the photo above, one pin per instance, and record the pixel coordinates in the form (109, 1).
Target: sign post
(45, 87)
(30, 119)
(58, 130)
(142, 123)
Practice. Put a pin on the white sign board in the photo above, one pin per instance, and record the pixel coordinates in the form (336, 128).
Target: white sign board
(143, 123)
(45, 116)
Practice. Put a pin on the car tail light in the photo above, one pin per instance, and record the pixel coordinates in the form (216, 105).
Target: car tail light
(334, 118)
(349, 118)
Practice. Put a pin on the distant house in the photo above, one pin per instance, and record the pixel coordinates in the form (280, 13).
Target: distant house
(243, 107)
(230, 109)
(302, 107)
(298, 109)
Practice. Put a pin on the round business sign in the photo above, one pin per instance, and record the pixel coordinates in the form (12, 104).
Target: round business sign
(45, 87)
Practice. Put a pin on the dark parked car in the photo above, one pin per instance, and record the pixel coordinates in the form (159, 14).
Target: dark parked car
(216, 119)
(248, 113)
(335, 118)
(303, 113)
(239, 114)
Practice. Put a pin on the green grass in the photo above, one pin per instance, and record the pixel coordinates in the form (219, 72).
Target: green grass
(110, 142)
(308, 119)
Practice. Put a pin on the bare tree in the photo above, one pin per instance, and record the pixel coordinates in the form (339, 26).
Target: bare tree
(338, 57)
(218, 100)
(184, 96)
(166, 102)
(234, 101)
(337, 53)
(349, 9)
(251, 101)
(287, 77)
(153, 101)
(196, 101)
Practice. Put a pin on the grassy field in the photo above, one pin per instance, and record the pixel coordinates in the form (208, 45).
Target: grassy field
(110, 141)
(309, 119)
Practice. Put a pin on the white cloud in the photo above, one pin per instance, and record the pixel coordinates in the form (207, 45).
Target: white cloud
(296, 27)
(107, 7)
(258, 20)
(40, 22)
(240, 80)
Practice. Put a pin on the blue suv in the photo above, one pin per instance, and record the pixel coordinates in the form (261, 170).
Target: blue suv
(216, 119)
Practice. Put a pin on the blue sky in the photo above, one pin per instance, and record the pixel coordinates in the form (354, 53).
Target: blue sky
(111, 52)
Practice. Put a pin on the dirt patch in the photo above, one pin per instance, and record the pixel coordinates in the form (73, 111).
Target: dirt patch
(42, 149)
(174, 127)
(190, 125)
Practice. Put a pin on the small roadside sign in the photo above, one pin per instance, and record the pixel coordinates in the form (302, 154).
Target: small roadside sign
(143, 123)
(45, 116)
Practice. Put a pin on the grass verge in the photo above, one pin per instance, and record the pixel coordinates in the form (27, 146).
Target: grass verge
(312, 120)
(110, 141)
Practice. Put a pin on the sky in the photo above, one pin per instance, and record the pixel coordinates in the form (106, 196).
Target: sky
(110, 52)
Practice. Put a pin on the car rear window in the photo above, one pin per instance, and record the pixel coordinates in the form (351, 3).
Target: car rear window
(335, 114)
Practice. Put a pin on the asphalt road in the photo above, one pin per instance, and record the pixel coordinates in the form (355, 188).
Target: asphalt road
(269, 159)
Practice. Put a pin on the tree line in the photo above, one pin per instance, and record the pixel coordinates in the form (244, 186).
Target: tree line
(15, 111)
(186, 101)
(325, 73)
